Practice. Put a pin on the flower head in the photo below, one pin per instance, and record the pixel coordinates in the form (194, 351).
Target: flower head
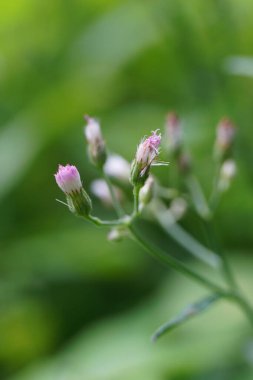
(147, 151)
(174, 132)
(96, 144)
(68, 179)
(224, 138)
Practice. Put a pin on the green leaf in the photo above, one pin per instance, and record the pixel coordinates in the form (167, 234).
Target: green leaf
(190, 311)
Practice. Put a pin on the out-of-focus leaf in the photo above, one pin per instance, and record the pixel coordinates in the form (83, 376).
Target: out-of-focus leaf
(189, 312)
(119, 348)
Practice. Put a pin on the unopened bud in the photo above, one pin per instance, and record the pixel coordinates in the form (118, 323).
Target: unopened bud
(96, 143)
(69, 181)
(178, 208)
(224, 138)
(173, 132)
(117, 167)
(117, 234)
(184, 163)
(227, 173)
(100, 189)
(146, 152)
(147, 191)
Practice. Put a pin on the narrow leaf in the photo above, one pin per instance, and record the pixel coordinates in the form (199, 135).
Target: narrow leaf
(190, 311)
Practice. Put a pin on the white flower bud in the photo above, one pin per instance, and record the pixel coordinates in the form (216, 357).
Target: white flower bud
(117, 167)
(178, 208)
(100, 189)
(147, 191)
(97, 149)
(227, 173)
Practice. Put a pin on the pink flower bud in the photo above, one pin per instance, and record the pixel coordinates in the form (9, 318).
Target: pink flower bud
(146, 152)
(68, 179)
(225, 135)
(173, 131)
(92, 130)
(97, 150)
(148, 149)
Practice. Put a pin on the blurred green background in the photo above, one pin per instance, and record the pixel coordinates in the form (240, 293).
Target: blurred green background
(72, 305)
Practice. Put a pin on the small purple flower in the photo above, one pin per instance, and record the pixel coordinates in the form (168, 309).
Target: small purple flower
(148, 150)
(92, 130)
(68, 179)
(225, 134)
(173, 131)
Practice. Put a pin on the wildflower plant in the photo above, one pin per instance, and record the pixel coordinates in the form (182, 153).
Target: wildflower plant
(166, 206)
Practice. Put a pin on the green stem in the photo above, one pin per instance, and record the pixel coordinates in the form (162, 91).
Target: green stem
(178, 266)
(215, 195)
(198, 197)
(174, 230)
(136, 192)
(189, 312)
(99, 222)
(228, 274)
(175, 264)
(237, 297)
(246, 308)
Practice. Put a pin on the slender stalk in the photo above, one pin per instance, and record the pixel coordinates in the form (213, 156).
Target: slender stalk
(99, 222)
(174, 230)
(189, 312)
(228, 274)
(175, 264)
(246, 308)
(136, 192)
(215, 195)
(178, 266)
(198, 196)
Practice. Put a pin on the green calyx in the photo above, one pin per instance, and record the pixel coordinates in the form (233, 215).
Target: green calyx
(79, 203)
(138, 174)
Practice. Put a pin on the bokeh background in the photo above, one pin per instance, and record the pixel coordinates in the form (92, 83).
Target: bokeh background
(72, 305)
